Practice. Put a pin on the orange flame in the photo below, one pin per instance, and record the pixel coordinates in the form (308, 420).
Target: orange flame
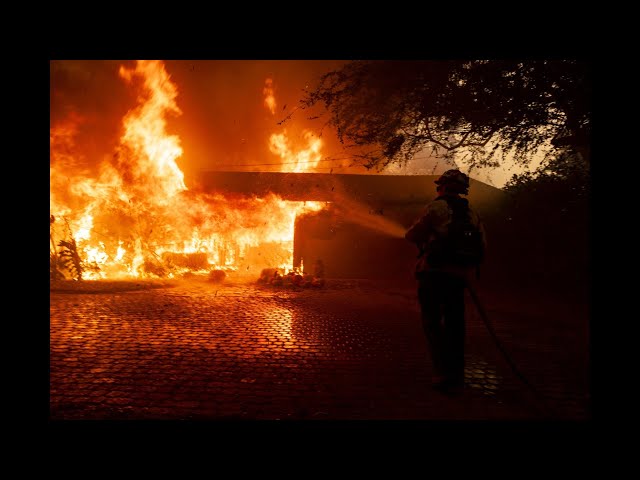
(269, 99)
(144, 131)
(301, 161)
(137, 218)
(304, 159)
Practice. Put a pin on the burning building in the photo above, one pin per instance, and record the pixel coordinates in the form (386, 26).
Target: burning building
(359, 231)
(134, 216)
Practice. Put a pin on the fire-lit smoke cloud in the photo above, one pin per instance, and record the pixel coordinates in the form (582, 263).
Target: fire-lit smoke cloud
(224, 125)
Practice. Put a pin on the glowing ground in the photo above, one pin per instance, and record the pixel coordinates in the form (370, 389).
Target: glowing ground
(354, 350)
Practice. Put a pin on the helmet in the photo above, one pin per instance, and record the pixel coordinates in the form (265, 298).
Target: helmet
(454, 178)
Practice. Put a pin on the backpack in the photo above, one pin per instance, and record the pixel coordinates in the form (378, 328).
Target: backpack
(463, 244)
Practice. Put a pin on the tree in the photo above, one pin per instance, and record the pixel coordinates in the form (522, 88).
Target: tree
(544, 230)
(387, 111)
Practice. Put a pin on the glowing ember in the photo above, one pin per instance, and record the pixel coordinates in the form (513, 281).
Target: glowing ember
(137, 218)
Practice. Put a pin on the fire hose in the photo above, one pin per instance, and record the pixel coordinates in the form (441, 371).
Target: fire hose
(512, 365)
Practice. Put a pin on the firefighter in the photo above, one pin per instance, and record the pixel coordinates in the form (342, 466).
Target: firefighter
(442, 279)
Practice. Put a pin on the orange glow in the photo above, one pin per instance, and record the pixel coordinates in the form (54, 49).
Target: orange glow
(301, 161)
(269, 97)
(137, 218)
(154, 151)
(293, 159)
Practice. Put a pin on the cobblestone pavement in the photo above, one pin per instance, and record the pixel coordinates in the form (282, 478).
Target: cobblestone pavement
(352, 351)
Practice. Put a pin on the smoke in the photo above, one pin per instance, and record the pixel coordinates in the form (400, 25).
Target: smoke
(425, 162)
(90, 94)
(231, 108)
(231, 111)
(224, 121)
(366, 216)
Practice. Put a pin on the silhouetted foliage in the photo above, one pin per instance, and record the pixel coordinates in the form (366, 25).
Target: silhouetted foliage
(548, 221)
(566, 177)
(390, 110)
(54, 268)
(153, 264)
(69, 257)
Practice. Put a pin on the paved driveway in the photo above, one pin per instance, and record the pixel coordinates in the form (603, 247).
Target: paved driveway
(351, 351)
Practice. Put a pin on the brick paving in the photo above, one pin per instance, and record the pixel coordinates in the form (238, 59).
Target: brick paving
(195, 350)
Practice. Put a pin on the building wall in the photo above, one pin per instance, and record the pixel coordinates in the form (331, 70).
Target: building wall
(341, 236)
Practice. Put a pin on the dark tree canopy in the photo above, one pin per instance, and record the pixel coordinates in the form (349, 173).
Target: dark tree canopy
(390, 110)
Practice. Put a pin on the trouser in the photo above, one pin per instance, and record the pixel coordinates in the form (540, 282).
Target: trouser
(441, 298)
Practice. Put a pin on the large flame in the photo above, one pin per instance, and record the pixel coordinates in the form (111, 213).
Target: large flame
(294, 159)
(154, 152)
(136, 216)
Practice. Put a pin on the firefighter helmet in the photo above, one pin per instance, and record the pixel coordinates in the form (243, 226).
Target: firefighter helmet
(453, 177)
